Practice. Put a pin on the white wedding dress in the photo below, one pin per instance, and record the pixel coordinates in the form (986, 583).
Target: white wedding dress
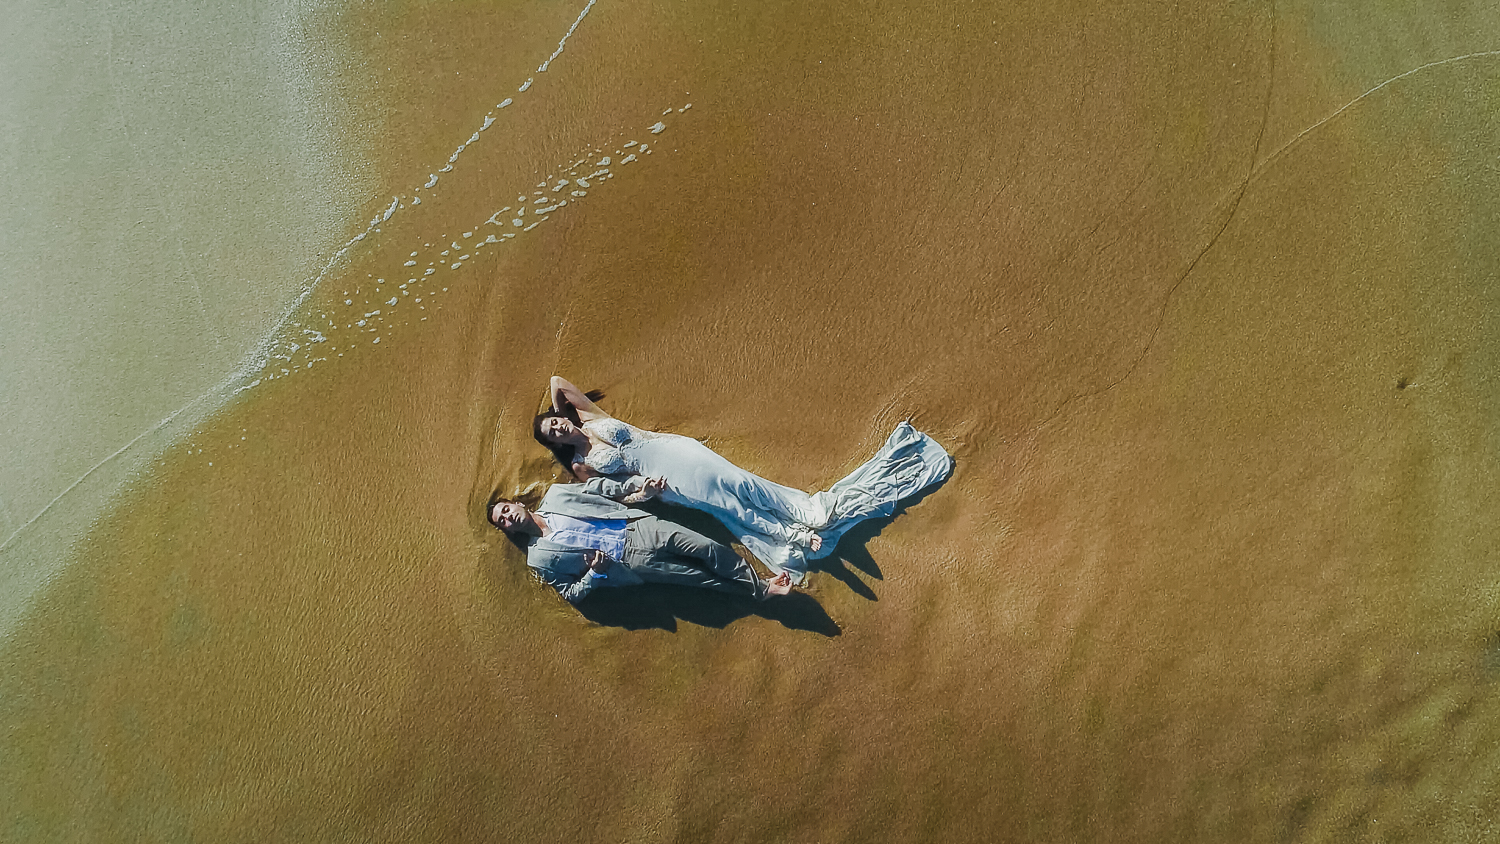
(775, 522)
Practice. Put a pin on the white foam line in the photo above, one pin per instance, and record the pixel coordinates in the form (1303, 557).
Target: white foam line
(564, 41)
(488, 121)
(258, 359)
(85, 476)
(541, 197)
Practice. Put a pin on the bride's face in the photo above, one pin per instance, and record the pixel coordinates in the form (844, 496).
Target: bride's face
(557, 429)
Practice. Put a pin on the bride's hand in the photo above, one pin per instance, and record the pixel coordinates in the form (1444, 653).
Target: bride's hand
(807, 538)
(650, 488)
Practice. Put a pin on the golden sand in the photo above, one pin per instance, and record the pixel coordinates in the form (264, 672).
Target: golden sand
(1215, 563)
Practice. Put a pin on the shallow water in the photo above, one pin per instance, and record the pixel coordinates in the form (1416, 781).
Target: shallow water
(1207, 327)
(172, 180)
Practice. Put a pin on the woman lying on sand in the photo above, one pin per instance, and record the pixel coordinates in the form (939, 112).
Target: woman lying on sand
(783, 527)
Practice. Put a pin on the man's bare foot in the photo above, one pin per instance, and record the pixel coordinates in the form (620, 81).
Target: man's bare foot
(781, 584)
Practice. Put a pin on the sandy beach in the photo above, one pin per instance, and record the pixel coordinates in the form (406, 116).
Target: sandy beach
(1202, 303)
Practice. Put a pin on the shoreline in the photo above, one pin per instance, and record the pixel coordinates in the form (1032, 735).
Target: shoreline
(1212, 563)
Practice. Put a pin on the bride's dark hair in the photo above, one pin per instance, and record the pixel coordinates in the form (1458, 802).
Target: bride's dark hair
(564, 453)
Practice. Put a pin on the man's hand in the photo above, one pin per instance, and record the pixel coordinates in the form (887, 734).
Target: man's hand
(777, 586)
(598, 561)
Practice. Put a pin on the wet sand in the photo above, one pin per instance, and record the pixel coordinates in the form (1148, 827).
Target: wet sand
(1213, 565)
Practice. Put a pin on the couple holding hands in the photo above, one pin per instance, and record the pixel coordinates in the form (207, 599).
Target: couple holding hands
(588, 535)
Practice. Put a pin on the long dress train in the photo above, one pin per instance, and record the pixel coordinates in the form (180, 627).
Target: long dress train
(773, 521)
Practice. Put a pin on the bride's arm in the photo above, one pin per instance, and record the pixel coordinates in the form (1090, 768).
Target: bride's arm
(563, 391)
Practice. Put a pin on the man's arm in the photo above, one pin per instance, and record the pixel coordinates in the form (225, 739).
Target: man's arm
(573, 590)
(613, 489)
(576, 588)
(633, 490)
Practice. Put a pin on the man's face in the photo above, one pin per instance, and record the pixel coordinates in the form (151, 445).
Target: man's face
(509, 516)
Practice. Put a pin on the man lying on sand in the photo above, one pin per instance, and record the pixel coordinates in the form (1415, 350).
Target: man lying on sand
(581, 537)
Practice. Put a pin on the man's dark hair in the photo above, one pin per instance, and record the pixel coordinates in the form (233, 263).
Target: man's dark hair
(518, 539)
(489, 509)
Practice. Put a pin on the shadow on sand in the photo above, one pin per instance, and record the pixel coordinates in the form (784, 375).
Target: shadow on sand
(851, 552)
(657, 606)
